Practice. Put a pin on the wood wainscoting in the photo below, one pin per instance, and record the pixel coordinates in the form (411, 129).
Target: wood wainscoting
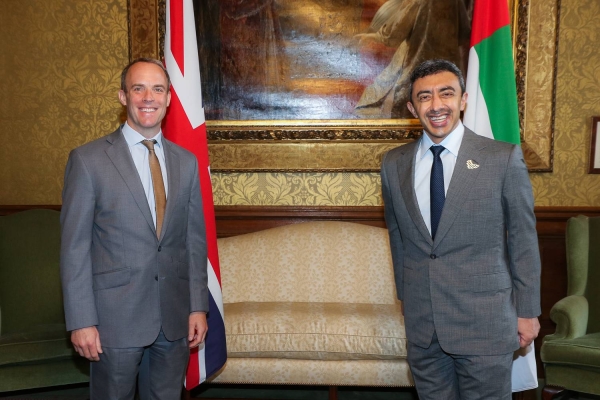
(551, 224)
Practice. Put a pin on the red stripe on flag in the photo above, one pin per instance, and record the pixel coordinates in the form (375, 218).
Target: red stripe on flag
(178, 129)
(192, 376)
(489, 16)
(176, 17)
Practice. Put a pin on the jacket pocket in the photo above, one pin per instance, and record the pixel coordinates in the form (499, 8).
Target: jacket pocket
(491, 282)
(112, 279)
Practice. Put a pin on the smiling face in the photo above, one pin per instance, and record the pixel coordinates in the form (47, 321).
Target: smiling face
(437, 101)
(146, 98)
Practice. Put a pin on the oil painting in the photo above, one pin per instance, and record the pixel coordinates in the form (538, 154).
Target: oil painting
(320, 85)
(321, 59)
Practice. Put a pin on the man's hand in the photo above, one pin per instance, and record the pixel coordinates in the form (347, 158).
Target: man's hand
(87, 342)
(528, 330)
(197, 328)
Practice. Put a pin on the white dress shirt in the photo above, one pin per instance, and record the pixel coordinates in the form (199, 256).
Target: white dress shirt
(140, 154)
(423, 163)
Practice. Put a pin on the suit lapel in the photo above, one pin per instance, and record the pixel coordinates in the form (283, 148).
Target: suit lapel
(463, 180)
(173, 179)
(120, 156)
(406, 174)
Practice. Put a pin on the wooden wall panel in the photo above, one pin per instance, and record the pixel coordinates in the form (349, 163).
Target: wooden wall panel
(551, 225)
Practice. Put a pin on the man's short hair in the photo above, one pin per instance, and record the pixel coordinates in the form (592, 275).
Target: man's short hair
(145, 60)
(432, 67)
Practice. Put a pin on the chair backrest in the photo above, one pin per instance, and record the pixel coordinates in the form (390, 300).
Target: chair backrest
(30, 289)
(583, 264)
(326, 261)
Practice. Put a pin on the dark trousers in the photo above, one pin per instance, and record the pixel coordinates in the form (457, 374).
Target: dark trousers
(440, 375)
(161, 375)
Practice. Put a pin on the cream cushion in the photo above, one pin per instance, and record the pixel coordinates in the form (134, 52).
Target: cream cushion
(321, 331)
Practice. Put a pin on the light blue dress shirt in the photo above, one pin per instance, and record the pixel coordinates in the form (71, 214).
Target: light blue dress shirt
(424, 161)
(140, 154)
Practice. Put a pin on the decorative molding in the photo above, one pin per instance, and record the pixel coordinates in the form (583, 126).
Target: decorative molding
(551, 221)
(144, 28)
(536, 63)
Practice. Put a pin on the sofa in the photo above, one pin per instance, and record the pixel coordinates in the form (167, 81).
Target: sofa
(35, 350)
(312, 303)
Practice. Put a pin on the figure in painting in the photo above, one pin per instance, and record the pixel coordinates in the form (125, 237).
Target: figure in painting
(252, 60)
(419, 30)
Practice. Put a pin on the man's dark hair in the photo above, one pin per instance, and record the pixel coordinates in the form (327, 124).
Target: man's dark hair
(145, 60)
(432, 67)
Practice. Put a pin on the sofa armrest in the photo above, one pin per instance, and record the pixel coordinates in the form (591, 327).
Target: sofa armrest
(571, 317)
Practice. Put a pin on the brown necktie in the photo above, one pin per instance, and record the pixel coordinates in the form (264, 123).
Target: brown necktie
(159, 186)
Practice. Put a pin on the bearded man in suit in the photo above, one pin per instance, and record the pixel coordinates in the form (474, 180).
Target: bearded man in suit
(133, 251)
(459, 210)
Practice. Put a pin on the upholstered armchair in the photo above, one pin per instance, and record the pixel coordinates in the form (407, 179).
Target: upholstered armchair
(571, 355)
(35, 350)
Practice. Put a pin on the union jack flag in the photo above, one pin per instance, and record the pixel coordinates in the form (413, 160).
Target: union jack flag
(186, 126)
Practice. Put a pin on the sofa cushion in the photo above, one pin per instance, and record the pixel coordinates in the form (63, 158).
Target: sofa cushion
(41, 343)
(322, 331)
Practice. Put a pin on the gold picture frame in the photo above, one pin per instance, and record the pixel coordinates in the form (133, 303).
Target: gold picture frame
(358, 145)
(594, 167)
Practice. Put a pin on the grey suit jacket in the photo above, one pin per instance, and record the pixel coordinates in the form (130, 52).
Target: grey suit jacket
(116, 274)
(483, 269)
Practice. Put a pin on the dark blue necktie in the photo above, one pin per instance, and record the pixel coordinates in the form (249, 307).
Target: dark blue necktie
(436, 188)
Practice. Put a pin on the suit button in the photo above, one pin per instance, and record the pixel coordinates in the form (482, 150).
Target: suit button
(159, 248)
(432, 256)
(156, 277)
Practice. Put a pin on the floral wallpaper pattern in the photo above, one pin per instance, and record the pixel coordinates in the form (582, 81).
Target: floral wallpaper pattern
(60, 62)
(297, 189)
(577, 100)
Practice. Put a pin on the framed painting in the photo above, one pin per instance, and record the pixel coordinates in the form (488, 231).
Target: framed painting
(595, 147)
(315, 85)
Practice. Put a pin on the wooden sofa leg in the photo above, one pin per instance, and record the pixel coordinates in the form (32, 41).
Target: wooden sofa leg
(550, 392)
(333, 393)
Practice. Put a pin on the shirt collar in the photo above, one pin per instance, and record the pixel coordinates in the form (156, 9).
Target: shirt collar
(132, 137)
(451, 142)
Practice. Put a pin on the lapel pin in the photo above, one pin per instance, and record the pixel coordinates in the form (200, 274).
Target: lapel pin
(472, 164)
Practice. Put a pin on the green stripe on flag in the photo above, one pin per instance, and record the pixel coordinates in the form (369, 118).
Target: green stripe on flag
(497, 81)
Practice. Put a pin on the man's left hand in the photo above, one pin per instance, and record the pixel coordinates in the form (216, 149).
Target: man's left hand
(197, 328)
(528, 330)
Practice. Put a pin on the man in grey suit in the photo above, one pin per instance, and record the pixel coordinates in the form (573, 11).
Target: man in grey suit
(459, 210)
(133, 267)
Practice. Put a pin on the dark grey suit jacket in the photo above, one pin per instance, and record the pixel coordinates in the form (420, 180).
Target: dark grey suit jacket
(483, 269)
(116, 274)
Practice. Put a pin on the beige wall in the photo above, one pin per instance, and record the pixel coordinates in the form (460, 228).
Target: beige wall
(59, 68)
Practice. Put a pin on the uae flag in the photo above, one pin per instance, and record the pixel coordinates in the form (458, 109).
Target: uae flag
(492, 104)
(492, 111)
(184, 124)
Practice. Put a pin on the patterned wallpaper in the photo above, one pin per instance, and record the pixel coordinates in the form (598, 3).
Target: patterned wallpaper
(297, 189)
(59, 69)
(577, 100)
(60, 64)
